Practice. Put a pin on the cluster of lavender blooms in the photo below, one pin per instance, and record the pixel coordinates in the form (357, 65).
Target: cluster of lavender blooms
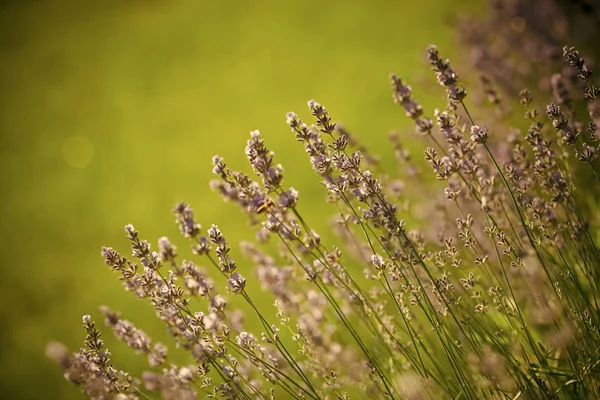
(500, 303)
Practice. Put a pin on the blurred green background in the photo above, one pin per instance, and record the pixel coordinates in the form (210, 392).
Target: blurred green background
(111, 111)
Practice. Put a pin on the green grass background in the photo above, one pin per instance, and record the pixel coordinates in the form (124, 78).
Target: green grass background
(110, 112)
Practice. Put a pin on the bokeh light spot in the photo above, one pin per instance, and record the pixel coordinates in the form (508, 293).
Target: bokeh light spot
(518, 24)
(78, 151)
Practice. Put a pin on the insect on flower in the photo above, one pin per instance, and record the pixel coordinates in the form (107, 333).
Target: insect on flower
(266, 206)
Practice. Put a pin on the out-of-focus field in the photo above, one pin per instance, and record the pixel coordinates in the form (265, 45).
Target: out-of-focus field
(110, 112)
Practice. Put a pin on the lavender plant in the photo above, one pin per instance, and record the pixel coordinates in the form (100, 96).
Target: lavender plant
(501, 302)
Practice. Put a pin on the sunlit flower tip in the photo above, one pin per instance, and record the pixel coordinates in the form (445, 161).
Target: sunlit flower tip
(166, 249)
(377, 261)
(218, 165)
(214, 231)
(312, 104)
(236, 283)
(424, 125)
(553, 110)
(202, 247)
(525, 97)
(186, 375)
(432, 53)
(576, 61)
(291, 118)
(86, 319)
(130, 229)
(218, 303)
(478, 134)
(289, 198)
(155, 257)
(255, 134)
(106, 251)
(228, 371)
